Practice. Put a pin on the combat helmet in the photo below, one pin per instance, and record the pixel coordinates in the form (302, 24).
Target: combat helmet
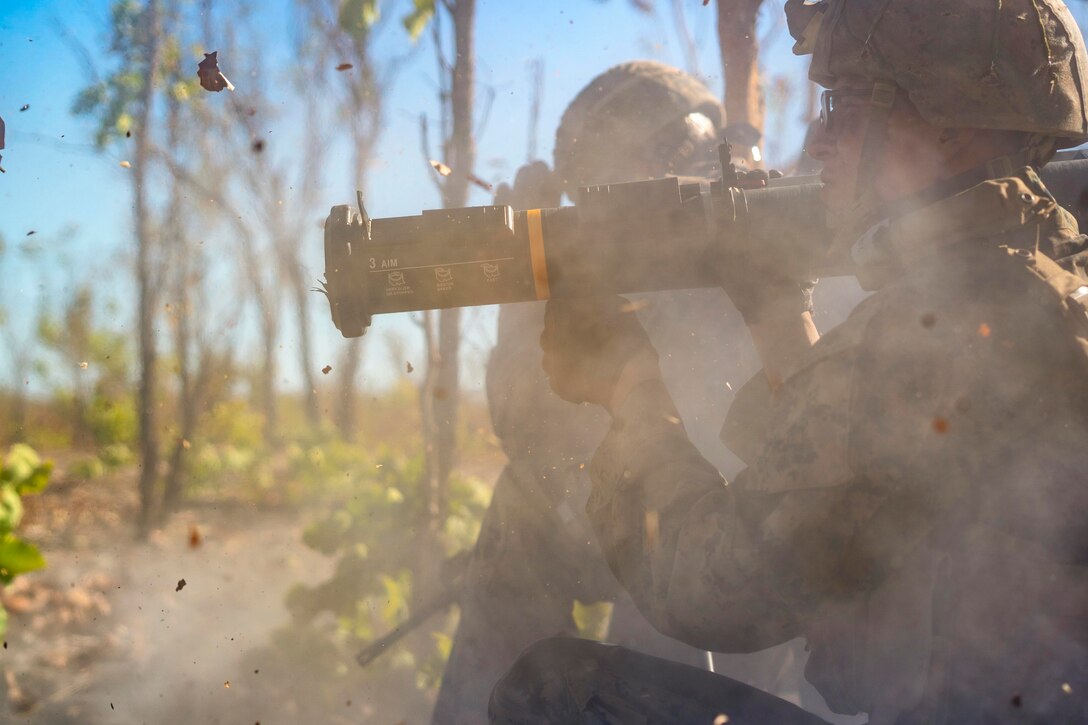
(640, 114)
(1012, 65)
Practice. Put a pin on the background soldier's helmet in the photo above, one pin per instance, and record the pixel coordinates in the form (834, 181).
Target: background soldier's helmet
(1013, 65)
(636, 120)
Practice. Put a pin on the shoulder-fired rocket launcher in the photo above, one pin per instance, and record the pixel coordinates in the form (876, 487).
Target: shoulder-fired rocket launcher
(618, 238)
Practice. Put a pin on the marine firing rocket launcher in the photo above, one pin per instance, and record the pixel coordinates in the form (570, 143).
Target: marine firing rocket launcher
(618, 238)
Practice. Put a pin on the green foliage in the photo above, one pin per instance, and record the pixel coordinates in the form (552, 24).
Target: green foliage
(87, 467)
(18, 557)
(592, 619)
(115, 100)
(111, 101)
(372, 504)
(95, 465)
(416, 21)
(111, 422)
(22, 472)
(96, 364)
(116, 455)
(373, 531)
(234, 422)
(358, 17)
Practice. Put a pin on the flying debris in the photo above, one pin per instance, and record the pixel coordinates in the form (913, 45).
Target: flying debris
(211, 78)
(480, 182)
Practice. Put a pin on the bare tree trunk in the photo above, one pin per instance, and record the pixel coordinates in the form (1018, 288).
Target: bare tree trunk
(77, 318)
(18, 415)
(179, 269)
(536, 82)
(447, 398)
(178, 463)
(740, 64)
(461, 151)
(347, 413)
(462, 144)
(80, 435)
(305, 351)
(189, 404)
(266, 385)
(147, 302)
(688, 45)
(347, 407)
(19, 351)
(430, 428)
(18, 410)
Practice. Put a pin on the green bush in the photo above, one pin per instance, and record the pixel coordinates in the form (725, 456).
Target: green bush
(22, 472)
(86, 467)
(116, 455)
(111, 421)
(372, 530)
(234, 422)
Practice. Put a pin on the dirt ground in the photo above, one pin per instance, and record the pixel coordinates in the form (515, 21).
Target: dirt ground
(115, 632)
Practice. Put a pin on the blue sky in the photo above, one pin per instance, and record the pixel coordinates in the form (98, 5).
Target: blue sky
(56, 181)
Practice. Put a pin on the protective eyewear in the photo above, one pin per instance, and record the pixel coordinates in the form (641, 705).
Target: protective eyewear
(831, 102)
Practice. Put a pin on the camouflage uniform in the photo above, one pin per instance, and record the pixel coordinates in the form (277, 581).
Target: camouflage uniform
(932, 585)
(914, 498)
(536, 553)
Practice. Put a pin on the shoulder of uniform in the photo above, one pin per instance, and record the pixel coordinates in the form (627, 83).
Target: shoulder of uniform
(1058, 285)
(1032, 181)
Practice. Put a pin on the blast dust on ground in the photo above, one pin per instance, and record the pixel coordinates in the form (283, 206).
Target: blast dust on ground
(106, 633)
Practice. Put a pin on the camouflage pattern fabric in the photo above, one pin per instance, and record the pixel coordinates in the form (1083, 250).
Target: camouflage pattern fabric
(623, 113)
(536, 553)
(915, 507)
(1015, 65)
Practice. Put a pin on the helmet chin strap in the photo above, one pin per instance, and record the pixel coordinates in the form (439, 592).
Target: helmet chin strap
(866, 207)
(1038, 150)
(876, 138)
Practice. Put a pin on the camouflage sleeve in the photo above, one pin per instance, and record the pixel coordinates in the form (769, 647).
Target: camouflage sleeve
(746, 425)
(736, 567)
(673, 533)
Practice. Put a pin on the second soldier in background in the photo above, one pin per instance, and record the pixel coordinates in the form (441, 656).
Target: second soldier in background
(536, 554)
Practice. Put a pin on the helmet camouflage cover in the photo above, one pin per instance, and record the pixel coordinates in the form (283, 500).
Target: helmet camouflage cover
(1013, 65)
(642, 111)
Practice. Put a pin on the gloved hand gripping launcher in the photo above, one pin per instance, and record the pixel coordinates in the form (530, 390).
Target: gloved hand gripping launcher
(618, 238)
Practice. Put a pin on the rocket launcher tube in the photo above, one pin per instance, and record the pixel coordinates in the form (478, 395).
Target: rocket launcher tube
(618, 238)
